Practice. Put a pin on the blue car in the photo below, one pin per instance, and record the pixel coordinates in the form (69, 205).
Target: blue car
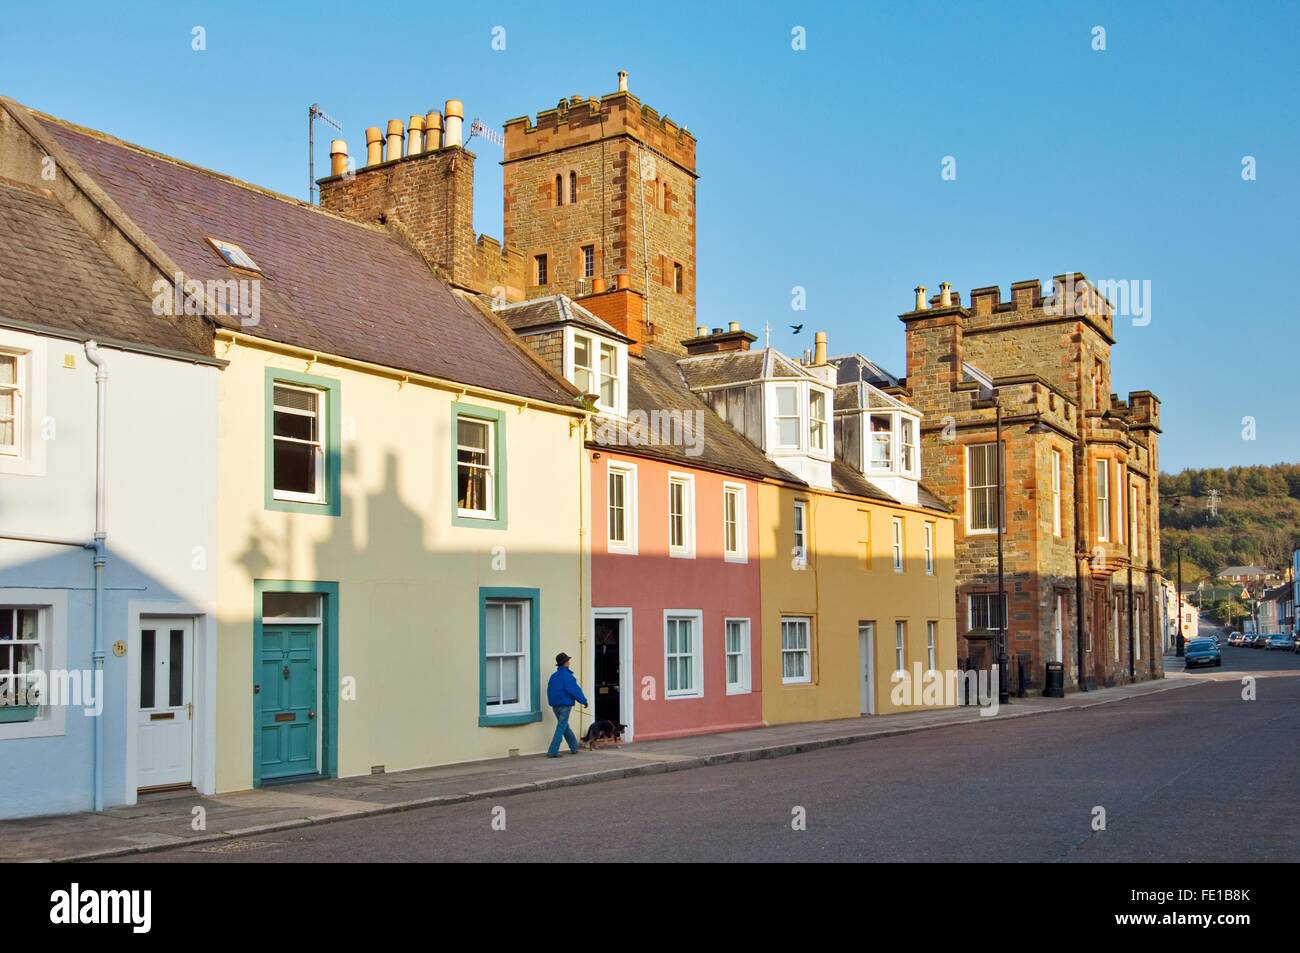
(1202, 652)
(1282, 642)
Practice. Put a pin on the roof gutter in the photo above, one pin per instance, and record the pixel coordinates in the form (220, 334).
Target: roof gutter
(292, 350)
(115, 343)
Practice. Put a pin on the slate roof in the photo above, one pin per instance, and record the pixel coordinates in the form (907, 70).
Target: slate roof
(654, 383)
(739, 367)
(53, 275)
(554, 311)
(328, 284)
(851, 368)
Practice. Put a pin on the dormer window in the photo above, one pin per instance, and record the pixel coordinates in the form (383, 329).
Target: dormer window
(882, 442)
(787, 416)
(598, 367)
(235, 256)
(817, 420)
(908, 439)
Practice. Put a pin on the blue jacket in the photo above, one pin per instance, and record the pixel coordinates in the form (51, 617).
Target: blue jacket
(563, 688)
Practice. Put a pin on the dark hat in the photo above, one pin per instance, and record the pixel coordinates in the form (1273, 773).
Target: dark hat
(561, 659)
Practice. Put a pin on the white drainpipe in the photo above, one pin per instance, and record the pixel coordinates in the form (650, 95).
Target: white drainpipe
(101, 553)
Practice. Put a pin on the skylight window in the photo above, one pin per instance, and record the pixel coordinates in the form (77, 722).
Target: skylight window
(235, 256)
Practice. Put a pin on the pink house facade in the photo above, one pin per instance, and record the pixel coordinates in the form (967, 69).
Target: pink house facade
(675, 597)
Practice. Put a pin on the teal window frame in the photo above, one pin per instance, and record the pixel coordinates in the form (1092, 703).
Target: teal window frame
(333, 442)
(498, 420)
(533, 596)
(329, 592)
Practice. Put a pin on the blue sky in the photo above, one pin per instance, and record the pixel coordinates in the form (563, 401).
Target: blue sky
(819, 168)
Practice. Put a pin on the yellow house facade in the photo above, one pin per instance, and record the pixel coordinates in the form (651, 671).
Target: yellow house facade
(378, 628)
(849, 608)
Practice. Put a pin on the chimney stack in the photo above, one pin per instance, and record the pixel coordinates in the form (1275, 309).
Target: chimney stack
(374, 146)
(622, 81)
(415, 138)
(433, 131)
(819, 352)
(395, 137)
(945, 294)
(453, 114)
(921, 304)
(718, 340)
(338, 156)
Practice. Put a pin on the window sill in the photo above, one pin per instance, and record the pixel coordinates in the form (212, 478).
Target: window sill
(513, 718)
(681, 555)
(319, 508)
(738, 560)
(11, 714)
(796, 681)
(681, 695)
(740, 691)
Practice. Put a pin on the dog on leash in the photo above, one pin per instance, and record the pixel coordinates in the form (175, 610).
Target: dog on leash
(602, 733)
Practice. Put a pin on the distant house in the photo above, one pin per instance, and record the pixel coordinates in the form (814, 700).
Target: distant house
(1250, 575)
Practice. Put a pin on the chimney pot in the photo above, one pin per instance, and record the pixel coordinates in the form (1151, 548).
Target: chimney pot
(597, 285)
(733, 326)
(374, 145)
(415, 141)
(395, 137)
(338, 156)
(621, 281)
(622, 81)
(819, 344)
(921, 304)
(453, 115)
(432, 131)
(717, 330)
(701, 330)
(945, 294)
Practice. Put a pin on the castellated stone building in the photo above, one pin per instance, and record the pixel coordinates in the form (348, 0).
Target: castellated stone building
(1081, 532)
(599, 195)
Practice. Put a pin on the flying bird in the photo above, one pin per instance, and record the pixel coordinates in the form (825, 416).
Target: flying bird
(796, 328)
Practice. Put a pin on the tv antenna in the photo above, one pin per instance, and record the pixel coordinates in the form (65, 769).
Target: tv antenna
(314, 112)
(479, 128)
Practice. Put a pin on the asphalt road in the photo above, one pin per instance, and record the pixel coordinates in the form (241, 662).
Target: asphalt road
(1194, 774)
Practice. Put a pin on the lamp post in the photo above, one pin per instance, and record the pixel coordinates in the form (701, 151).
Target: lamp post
(1004, 690)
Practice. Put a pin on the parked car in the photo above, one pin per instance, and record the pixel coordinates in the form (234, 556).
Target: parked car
(1200, 652)
(1282, 642)
(1256, 641)
(1236, 638)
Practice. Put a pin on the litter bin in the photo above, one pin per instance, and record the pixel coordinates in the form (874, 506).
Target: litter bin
(1054, 686)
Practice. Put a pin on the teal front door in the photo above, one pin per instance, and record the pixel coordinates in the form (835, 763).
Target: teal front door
(288, 721)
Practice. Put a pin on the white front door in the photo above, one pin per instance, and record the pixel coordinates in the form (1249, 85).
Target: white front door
(866, 654)
(166, 713)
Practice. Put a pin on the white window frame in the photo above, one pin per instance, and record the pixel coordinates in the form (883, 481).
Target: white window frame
(1119, 504)
(896, 542)
(931, 646)
(929, 548)
(1133, 518)
(971, 529)
(523, 658)
(52, 629)
(696, 655)
(1102, 470)
(777, 417)
(891, 465)
(29, 456)
(743, 665)
(686, 549)
(18, 388)
(233, 255)
(800, 533)
(992, 600)
(900, 645)
(588, 261)
(595, 375)
(320, 443)
(490, 467)
(806, 651)
(616, 362)
(818, 427)
(909, 453)
(740, 553)
(1056, 492)
(628, 472)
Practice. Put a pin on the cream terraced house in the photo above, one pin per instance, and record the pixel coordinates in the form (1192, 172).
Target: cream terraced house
(401, 489)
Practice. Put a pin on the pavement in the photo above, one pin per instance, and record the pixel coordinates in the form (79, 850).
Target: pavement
(168, 820)
(1197, 774)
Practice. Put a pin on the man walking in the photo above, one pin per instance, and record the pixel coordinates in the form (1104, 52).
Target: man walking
(561, 692)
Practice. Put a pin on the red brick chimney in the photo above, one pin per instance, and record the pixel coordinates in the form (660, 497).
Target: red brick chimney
(427, 196)
(622, 308)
